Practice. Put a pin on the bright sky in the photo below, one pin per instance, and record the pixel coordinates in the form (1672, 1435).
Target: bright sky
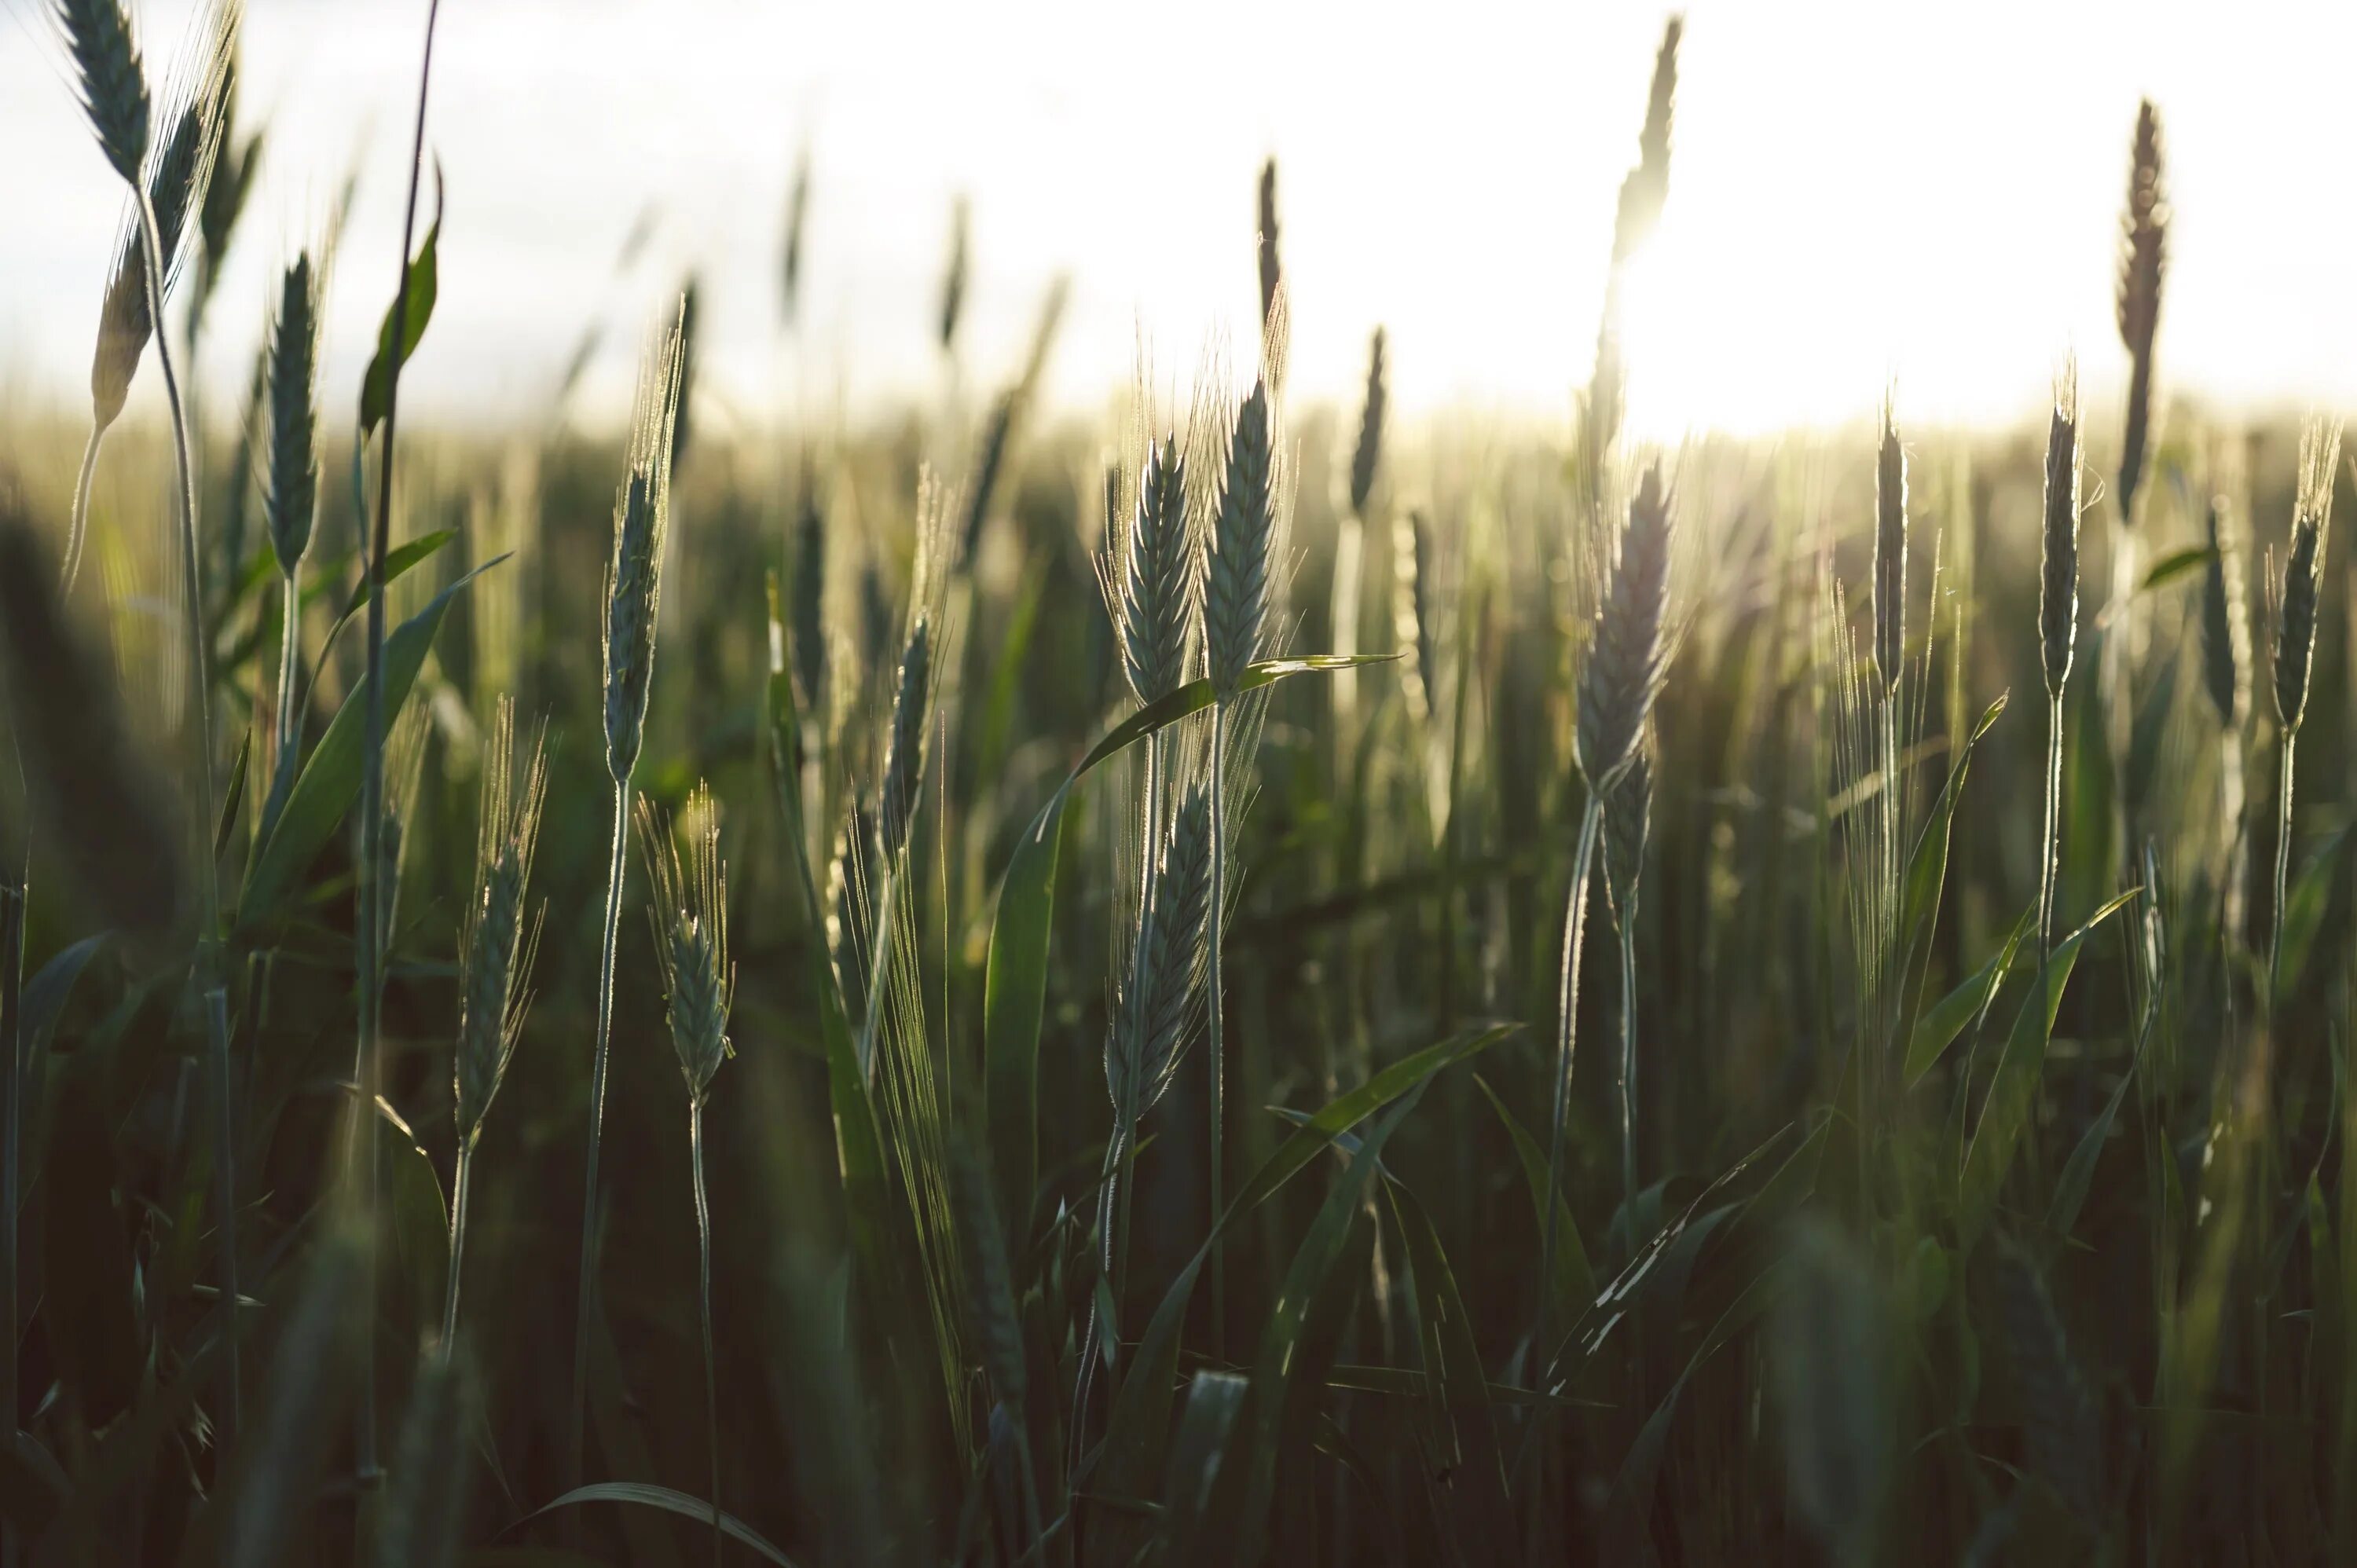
(1860, 189)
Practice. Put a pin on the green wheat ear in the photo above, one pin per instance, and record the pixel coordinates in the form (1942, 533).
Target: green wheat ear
(112, 85)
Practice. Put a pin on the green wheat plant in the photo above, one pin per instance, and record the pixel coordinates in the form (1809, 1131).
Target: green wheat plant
(497, 940)
(690, 915)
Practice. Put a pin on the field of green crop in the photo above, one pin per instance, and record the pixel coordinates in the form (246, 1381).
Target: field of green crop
(1241, 983)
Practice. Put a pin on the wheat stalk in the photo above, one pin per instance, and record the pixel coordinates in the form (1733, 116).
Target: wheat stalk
(2058, 622)
(497, 944)
(290, 495)
(691, 924)
(633, 603)
(2294, 651)
(1628, 825)
(1238, 579)
(2225, 669)
(1628, 654)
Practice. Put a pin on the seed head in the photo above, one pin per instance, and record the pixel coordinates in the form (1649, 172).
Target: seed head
(634, 571)
(1412, 611)
(797, 213)
(691, 924)
(496, 941)
(904, 748)
(1237, 585)
(2225, 625)
(2144, 236)
(2319, 454)
(179, 174)
(1889, 553)
(1161, 1004)
(1627, 651)
(953, 277)
(2058, 595)
(810, 602)
(292, 482)
(112, 85)
(1156, 582)
(1370, 452)
(1647, 186)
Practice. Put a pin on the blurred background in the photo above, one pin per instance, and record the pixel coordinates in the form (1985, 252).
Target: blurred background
(1862, 192)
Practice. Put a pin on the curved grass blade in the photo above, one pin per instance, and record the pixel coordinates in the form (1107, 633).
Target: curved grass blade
(644, 1494)
(2006, 1112)
(1936, 1028)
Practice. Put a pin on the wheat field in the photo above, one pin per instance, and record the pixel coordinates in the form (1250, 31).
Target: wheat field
(1241, 979)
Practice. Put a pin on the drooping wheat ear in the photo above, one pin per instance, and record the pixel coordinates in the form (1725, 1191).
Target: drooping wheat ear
(1627, 828)
(179, 175)
(1367, 457)
(111, 86)
(2319, 454)
(797, 213)
(2225, 622)
(2062, 1425)
(1156, 584)
(1890, 552)
(2144, 238)
(634, 572)
(1237, 585)
(904, 748)
(690, 926)
(291, 485)
(1628, 651)
(2057, 595)
(1162, 999)
(953, 275)
(497, 939)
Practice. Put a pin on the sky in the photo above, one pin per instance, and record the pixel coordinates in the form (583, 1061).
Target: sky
(1861, 194)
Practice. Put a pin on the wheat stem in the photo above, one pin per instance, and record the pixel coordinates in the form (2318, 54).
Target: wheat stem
(200, 721)
(2049, 836)
(1629, 1060)
(1566, 1029)
(78, 531)
(12, 1126)
(615, 866)
(289, 659)
(2283, 874)
(1215, 916)
(458, 1192)
(371, 939)
(703, 1240)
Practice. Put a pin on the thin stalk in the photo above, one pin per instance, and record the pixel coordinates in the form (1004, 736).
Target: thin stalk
(290, 657)
(1216, 917)
(704, 1239)
(1575, 929)
(1629, 1062)
(615, 867)
(371, 955)
(2048, 848)
(199, 722)
(2283, 875)
(459, 1190)
(79, 531)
